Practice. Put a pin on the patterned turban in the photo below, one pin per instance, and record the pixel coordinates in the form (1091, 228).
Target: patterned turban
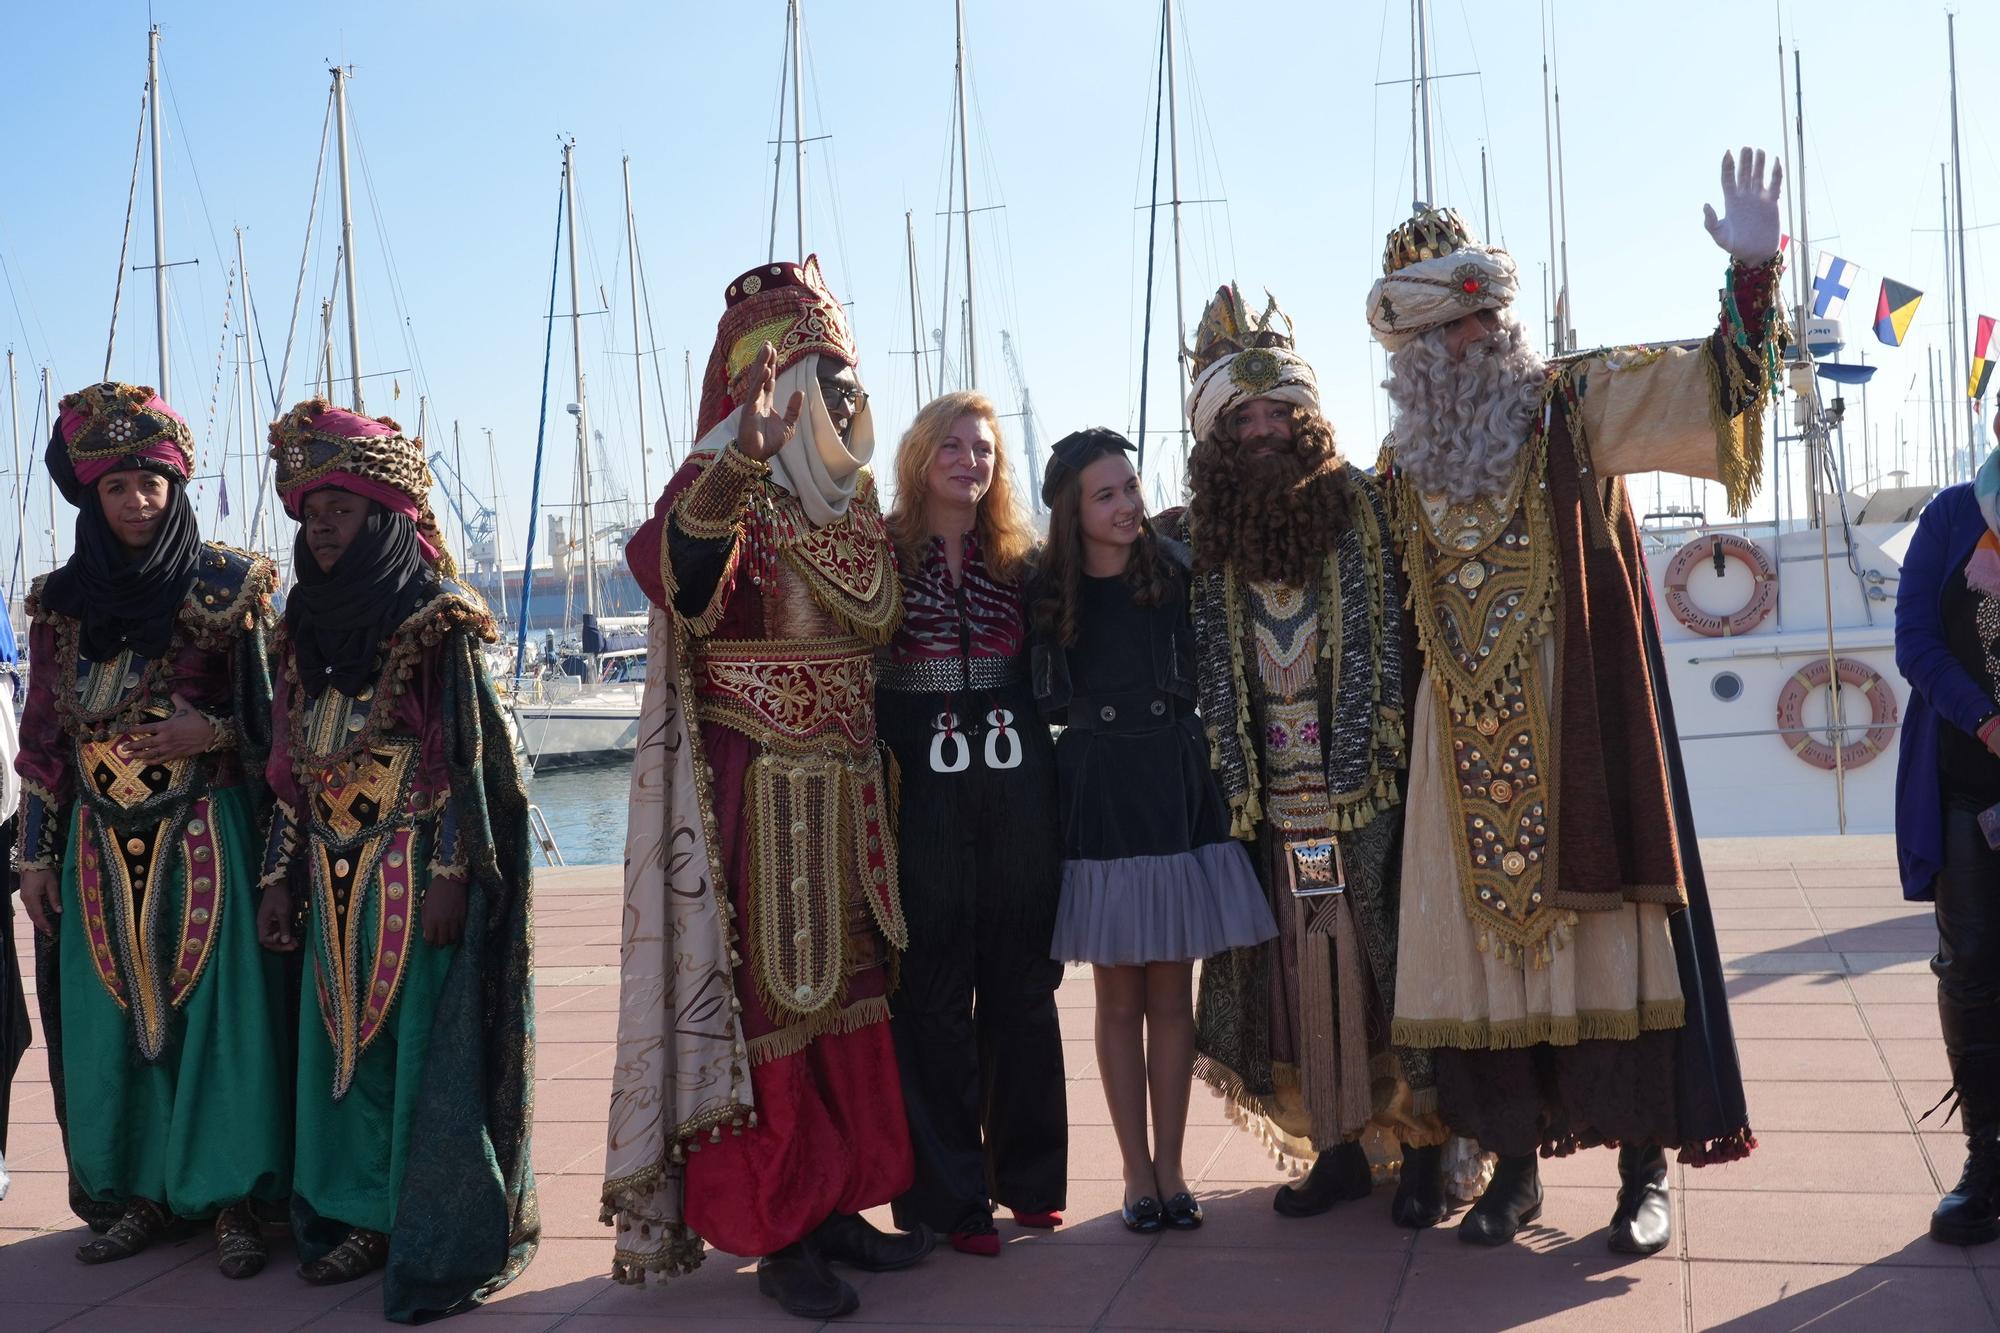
(1435, 272)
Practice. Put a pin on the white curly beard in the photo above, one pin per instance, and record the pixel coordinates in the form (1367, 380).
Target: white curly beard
(1460, 425)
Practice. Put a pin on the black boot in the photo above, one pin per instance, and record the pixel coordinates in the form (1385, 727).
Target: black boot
(798, 1279)
(1419, 1200)
(1643, 1221)
(1338, 1175)
(1511, 1201)
(1970, 1214)
(847, 1238)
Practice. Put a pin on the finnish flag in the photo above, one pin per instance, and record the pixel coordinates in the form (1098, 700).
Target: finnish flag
(1832, 281)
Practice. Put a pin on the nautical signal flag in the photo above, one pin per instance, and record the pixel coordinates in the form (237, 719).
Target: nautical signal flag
(1983, 352)
(1832, 282)
(1894, 309)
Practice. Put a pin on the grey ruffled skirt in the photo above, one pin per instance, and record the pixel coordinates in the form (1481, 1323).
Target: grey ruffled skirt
(1180, 906)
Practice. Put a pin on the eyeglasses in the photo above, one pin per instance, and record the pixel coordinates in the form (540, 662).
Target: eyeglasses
(851, 396)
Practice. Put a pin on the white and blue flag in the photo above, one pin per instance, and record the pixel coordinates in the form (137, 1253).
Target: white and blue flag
(1832, 281)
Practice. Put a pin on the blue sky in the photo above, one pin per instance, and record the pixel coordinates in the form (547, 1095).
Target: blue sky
(458, 109)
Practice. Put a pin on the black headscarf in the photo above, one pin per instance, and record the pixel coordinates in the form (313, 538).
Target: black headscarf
(338, 618)
(123, 598)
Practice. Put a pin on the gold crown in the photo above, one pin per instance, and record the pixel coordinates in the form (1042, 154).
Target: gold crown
(1431, 234)
(1227, 327)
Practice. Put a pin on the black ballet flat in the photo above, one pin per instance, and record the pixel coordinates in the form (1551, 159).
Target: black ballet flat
(1146, 1216)
(1183, 1212)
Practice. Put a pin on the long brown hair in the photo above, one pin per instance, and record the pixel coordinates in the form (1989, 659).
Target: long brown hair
(1006, 537)
(1052, 591)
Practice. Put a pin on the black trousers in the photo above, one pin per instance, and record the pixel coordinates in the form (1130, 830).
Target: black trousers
(1968, 964)
(977, 1039)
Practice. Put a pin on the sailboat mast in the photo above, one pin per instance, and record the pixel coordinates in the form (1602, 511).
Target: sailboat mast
(799, 122)
(1423, 42)
(347, 237)
(638, 350)
(582, 404)
(159, 208)
(499, 567)
(916, 343)
(48, 397)
(1556, 337)
(965, 208)
(1951, 320)
(778, 153)
(20, 498)
(248, 389)
(1958, 199)
(1174, 185)
(1562, 188)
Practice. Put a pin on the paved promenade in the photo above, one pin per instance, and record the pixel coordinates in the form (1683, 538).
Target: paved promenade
(1822, 1228)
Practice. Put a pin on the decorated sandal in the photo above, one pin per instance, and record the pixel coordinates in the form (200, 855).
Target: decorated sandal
(240, 1251)
(142, 1223)
(360, 1254)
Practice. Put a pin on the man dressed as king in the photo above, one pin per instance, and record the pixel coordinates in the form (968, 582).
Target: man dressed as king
(1556, 951)
(756, 1104)
(1298, 621)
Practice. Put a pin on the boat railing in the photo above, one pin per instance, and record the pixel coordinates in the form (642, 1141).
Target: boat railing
(545, 837)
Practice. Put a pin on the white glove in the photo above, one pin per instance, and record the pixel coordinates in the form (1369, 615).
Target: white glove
(1749, 229)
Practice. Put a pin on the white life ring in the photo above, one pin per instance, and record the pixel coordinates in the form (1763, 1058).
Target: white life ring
(1763, 595)
(1807, 744)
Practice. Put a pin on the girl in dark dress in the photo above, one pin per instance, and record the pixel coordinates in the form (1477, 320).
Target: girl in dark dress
(1151, 879)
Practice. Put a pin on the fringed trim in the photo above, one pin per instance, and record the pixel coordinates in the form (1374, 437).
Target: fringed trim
(1246, 809)
(1514, 1034)
(1733, 1147)
(839, 1021)
(1546, 932)
(1736, 404)
(681, 1255)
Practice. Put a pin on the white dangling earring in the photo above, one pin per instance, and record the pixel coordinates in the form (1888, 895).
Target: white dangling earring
(946, 726)
(1001, 723)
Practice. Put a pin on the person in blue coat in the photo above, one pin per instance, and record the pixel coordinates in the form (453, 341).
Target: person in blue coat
(1948, 648)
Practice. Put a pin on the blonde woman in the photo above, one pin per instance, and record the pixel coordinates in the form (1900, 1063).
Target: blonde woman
(975, 1018)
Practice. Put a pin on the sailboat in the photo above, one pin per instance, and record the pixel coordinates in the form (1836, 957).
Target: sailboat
(573, 719)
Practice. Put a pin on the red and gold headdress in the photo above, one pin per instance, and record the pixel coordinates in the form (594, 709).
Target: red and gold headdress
(109, 425)
(786, 305)
(316, 445)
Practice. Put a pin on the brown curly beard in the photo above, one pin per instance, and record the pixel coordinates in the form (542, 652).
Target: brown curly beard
(1275, 519)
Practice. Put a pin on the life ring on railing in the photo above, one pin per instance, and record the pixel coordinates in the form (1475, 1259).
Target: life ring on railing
(1763, 596)
(1807, 744)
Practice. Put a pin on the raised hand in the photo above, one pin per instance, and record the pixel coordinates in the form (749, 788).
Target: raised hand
(1748, 229)
(760, 430)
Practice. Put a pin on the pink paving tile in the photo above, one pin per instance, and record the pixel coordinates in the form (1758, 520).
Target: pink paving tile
(571, 1099)
(1093, 1150)
(1827, 1107)
(1847, 895)
(1883, 877)
(1795, 916)
(1028, 1284)
(564, 1277)
(1903, 1020)
(1240, 1215)
(723, 1288)
(1917, 1059)
(1798, 1022)
(45, 1266)
(179, 1319)
(569, 1025)
(1746, 989)
(1832, 1298)
(359, 1321)
(38, 1199)
(1889, 912)
(1080, 1058)
(196, 1285)
(1243, 1156)
(1728, 900)
(1946, 1151)
(1891, 939)
(1895, 988)
(593, 1061)
(570, 1205)
(1823, 1163)
(31, 1105)
(36, 1317)
(1804, 939)
(1572, 1286)
(1776, 1226)
(1086, 1102)
(778, 1322)
(1720, 881)
(1180, 1287)
(564, 1145)
(1774, 1060)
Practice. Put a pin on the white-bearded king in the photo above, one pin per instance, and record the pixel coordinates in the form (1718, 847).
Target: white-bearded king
(1555, 947)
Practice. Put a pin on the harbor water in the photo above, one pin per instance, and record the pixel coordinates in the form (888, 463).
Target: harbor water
(585, 808)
